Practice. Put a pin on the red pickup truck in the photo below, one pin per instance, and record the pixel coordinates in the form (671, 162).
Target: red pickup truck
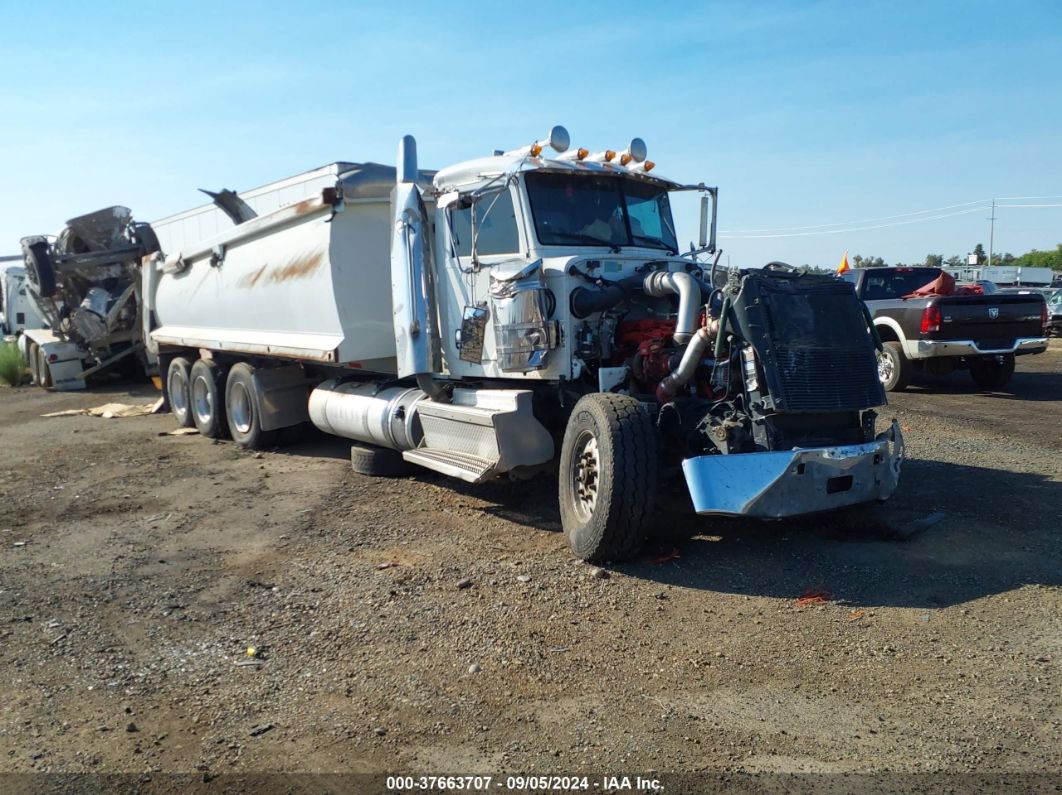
(942, 333)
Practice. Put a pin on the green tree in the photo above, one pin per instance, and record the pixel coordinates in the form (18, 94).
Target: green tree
(955, 261)
(1041, 259)
(934, 260)
(982, 257)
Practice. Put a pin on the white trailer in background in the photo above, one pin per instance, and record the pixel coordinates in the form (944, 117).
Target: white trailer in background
(18, 312)
(514, 313)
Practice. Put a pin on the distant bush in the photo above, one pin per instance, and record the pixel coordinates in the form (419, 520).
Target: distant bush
(11, 365)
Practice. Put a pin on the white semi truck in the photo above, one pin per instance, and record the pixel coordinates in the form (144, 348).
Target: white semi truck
(18, 311)
(516, 314)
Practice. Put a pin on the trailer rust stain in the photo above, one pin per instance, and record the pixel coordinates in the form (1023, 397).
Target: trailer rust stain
(307, 206)
(251, 279)
(297, 268)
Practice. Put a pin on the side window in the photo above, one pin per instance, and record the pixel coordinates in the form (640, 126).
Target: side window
(495, 226)
(874, 288)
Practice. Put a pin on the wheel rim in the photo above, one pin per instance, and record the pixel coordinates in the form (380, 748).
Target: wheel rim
(202, 400)
(178, 393)
(584, 475)
(886, 368)
(240, 407)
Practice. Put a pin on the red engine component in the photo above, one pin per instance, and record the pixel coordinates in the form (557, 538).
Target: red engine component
(646, 346)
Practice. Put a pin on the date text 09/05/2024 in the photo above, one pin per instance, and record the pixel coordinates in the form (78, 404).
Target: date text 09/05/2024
(522, 783)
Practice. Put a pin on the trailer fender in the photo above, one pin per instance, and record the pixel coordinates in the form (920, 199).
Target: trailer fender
(283, 396)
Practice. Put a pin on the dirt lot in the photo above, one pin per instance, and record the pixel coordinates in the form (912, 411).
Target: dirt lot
(419, 626)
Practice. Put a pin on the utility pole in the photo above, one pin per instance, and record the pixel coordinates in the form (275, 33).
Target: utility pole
(991, 232)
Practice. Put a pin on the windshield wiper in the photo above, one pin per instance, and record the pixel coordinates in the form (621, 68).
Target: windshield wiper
(579, 237)
(659, 243)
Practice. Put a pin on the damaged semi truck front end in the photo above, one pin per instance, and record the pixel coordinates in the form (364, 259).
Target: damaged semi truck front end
(794, 430)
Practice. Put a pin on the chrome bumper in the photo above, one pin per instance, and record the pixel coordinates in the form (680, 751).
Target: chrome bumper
(795, 482)
(928, 349)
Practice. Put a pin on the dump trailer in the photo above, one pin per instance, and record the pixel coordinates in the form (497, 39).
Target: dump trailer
(85, 283)
(521, 314)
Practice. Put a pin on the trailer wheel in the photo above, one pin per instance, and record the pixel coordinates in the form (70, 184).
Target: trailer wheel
(378, 462)
(179, 392)
(31, 361)
(208, 398)
(242, 409)
(992, 372)
(608, 477)
(894, 368)
(44, 371)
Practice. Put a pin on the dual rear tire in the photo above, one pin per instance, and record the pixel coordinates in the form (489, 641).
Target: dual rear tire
(218, 403)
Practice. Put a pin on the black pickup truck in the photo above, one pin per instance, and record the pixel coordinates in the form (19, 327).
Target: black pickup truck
(942, 333)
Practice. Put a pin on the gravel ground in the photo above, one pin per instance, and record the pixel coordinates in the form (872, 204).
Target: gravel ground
(421, 626)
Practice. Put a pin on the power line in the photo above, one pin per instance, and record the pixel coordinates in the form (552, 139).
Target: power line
(736, 236)
(979, 204)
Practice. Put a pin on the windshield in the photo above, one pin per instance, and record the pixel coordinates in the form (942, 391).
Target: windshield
(595, 210)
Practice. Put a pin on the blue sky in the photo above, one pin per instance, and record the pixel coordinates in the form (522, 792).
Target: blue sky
(803, 114)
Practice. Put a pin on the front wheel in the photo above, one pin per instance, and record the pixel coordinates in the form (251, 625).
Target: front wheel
(992, 372)
(608, 477)
(894, 368)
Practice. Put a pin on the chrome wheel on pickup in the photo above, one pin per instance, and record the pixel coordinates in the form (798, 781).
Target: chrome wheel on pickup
(894, 368)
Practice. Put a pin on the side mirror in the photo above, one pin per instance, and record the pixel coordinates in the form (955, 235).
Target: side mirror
(707, 238)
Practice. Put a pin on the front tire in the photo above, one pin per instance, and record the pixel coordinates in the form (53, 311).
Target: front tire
(39, 269)
(992, 373)
(242, 408)
(894, 368)
(608, 477)
(208, 398)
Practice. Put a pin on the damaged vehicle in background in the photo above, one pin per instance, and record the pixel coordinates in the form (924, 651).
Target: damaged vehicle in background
(86, 285)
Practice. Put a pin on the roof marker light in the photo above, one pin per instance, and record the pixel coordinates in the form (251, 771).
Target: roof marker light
(575, 154)
(637, 152)
(602, 157)
(558, 140)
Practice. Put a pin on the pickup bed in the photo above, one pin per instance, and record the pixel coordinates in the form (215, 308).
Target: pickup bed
(942, 333)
